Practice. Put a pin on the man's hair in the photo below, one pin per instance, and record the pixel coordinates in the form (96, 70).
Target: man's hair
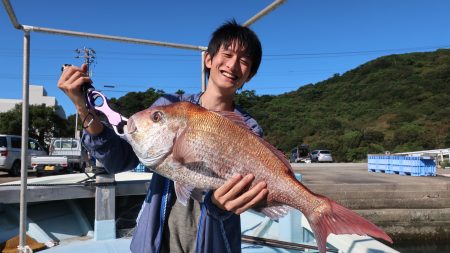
(231, 32)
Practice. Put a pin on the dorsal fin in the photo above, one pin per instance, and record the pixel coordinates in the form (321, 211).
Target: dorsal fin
(239, 120)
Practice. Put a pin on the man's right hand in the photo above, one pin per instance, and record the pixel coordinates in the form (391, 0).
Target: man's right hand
(71, 80)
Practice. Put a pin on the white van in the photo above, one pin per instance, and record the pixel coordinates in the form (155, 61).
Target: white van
(10, 152)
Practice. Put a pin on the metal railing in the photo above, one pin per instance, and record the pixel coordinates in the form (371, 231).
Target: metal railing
(26, 65)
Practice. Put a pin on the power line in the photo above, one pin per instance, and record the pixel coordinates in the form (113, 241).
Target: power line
(88, 55)
(144, 55)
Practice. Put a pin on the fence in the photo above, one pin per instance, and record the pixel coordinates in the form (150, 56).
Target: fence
(402, 165)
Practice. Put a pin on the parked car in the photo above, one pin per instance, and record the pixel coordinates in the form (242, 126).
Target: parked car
(321, 156)
(10, 153)
(300, 154)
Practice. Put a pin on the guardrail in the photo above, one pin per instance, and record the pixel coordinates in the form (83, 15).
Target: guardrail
(402, 165)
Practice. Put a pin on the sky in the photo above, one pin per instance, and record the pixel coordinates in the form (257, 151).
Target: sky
(303, 41)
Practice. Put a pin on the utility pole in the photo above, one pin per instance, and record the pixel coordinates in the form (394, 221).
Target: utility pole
(88, 54)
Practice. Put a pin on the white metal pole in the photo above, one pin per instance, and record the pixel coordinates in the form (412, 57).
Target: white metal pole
(76, 125)
(203, 72)
(24, 165)
(264, 12)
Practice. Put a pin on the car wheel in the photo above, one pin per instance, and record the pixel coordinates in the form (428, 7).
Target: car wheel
(15, 169)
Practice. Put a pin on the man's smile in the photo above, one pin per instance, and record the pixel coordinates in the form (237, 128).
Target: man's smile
(229, 75)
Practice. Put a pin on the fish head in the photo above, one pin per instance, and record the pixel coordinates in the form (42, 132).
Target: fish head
(153, 132)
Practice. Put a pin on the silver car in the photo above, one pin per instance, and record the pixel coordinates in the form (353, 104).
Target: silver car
(10, 152)
(321, 156)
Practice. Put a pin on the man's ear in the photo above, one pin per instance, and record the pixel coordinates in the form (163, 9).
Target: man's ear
(208, 60)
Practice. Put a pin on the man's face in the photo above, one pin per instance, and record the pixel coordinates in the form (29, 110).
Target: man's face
(229, 68)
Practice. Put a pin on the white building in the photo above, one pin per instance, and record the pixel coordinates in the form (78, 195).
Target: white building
(37, 96)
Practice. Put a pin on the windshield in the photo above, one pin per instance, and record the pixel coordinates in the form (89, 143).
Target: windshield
(303, 152)
(65, 144)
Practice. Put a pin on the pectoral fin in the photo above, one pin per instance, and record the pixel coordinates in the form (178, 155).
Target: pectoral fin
(183, 192)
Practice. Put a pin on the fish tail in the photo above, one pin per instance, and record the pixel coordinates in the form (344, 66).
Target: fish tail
(334, 218)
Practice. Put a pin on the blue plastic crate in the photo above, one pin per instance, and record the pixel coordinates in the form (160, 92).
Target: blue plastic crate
(402, 165)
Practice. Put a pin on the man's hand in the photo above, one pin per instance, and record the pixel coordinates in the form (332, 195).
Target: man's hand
(232, 196)
(71, 80)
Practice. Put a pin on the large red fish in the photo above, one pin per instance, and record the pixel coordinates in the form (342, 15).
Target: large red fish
(200, 149)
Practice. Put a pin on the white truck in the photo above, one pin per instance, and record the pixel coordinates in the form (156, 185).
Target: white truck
(65, 156)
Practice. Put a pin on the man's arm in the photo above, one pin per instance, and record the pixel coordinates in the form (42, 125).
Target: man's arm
(114, 152)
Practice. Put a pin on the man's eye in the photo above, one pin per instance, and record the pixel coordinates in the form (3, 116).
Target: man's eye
(244, 61)
(228, 55)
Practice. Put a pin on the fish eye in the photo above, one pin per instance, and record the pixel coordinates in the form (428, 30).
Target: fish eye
(156, 116)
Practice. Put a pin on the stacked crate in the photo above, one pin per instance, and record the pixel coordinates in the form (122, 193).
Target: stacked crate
(402, 165)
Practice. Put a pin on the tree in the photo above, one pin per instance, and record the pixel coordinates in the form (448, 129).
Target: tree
(180, 93)
(135, 101)
(44, 123)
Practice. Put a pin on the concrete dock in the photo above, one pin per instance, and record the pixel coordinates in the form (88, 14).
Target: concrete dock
(406, 207)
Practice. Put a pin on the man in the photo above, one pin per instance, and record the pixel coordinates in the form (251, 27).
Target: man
(164, 225)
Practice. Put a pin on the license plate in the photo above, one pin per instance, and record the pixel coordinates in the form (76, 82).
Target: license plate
(48, 167)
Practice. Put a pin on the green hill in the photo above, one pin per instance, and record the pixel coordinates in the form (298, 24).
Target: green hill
(396, 103)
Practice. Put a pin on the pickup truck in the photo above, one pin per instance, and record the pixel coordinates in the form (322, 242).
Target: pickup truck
(65, 156)
(50, 165)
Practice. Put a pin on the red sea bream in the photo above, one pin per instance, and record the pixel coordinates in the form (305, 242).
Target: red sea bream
(201, 149)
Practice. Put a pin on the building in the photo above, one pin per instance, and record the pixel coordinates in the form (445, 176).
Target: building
(37, 96)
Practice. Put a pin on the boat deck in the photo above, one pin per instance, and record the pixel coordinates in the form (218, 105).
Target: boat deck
(63, 187)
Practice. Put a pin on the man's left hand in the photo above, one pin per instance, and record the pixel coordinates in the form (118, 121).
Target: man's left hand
(233, 197)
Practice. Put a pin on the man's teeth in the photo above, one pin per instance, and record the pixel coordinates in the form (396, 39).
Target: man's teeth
(229, 75)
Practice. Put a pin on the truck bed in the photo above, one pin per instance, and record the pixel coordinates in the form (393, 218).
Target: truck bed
(50, 164)
(48, 160)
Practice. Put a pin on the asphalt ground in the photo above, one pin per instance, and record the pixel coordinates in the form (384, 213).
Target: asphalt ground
(357, 173)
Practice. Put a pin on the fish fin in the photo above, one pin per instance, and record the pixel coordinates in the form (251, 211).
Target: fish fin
(239, 120)
(276, 212)
(337, 219)
(183, 192)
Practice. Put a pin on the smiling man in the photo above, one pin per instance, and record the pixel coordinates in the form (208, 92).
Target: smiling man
(210, 223)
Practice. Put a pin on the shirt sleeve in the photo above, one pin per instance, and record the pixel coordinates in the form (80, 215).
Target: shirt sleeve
(213, 210)
(111, 150)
